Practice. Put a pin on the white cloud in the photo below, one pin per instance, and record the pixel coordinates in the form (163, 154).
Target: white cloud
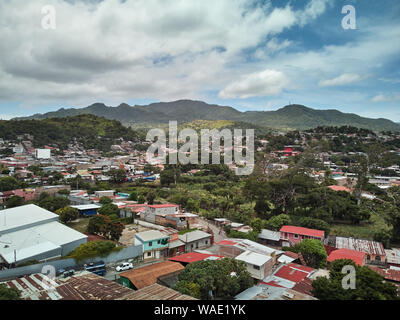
(344, 79)
(265, 83)
(386, 98)
(118, 50)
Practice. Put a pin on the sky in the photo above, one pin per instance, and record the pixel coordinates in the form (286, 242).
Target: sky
(248, 54)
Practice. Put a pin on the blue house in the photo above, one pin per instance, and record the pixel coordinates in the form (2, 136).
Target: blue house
(87, 210)
(154, 242)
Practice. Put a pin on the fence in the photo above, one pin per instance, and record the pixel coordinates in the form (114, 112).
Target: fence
(124, 254)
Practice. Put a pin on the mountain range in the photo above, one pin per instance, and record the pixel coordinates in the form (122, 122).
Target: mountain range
(291, 117)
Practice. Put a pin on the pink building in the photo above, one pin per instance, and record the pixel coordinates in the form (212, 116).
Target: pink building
(291, 235)
(27, 194)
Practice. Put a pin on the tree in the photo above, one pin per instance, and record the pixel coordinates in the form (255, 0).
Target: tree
(68, 214)
(312, 223)
(169, 176)
(15, 201)
(53, 204)
(313, 252)
(115, 230)
(133, 196)
(108, 209)
(106, 227)
(8, 183)
(276, 223)
(141, 199)
(151, 195)
(369, 284)
(105, 200)
(96, 224)
(189, 288)
(117, 175)
(225, 278)
(192, 205)
(257, 224)
(92, 249)
(7, 293)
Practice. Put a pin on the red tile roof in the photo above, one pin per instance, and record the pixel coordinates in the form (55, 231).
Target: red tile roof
(293, 272)
(304, 286)
(226, 243)
(192, 257)
(270, 283)
(356, 256)
(303, 231)
(339, 188)
(163, 205)
(388, 274)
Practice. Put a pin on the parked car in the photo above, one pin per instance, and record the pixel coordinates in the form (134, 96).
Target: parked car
(124, 266)
(65, 273)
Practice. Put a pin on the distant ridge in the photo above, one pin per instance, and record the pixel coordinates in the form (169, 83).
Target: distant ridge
(291, 117)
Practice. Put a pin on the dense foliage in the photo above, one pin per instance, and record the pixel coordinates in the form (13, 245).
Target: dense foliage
(91, 131)
(9, 293)
(369, 285)
(222, 278)
(93, 249)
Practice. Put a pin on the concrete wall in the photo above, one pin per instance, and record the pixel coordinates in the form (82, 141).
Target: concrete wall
(199, 244)
(68, 247)
(125, 254)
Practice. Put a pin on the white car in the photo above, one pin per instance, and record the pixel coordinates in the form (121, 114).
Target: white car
(124, 266)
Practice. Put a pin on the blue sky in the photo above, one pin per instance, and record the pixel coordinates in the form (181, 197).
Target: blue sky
(252, 55)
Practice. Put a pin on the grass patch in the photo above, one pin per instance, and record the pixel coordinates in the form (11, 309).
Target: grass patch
(346, 230)
(186, 231)
(81, 225)
(365, 230)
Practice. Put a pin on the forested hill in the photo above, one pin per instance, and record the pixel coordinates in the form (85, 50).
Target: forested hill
(292, 117)
(91, 131)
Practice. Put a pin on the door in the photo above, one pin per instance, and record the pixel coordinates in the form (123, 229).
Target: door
(157, 254)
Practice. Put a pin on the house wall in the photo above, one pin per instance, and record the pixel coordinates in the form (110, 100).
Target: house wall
(155, 244)
(198, 244)
(229, 251)
(291, 238)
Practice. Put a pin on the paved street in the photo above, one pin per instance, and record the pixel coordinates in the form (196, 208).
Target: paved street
(219, 234)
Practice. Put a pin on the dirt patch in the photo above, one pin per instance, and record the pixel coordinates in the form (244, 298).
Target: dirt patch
(128, 235)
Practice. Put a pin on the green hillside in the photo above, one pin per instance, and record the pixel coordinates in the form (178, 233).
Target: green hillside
(185, 111)
(92, 131)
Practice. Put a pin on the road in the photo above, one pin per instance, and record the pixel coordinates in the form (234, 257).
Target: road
(219, 234)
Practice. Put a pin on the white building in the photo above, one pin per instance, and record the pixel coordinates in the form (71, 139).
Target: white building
(42, 153)
(258, 265)
(33, 233)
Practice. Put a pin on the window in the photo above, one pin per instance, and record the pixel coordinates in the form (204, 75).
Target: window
(368, 257)
(256, 267)
(158, 242)
(150, 244)
(377, 258)
(206, 242)
(296, 236)
(148, 254)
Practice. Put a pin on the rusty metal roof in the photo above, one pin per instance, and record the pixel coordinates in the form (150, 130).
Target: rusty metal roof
(146, 276)
(156, 292)
(82, 286)
(367, 246)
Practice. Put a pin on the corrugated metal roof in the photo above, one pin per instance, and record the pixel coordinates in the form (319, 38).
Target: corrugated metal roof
(82, 286)
(253, 258)
(194, 236)
(156, 292)
(270, 235)
(146, 276)
(367, 246)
